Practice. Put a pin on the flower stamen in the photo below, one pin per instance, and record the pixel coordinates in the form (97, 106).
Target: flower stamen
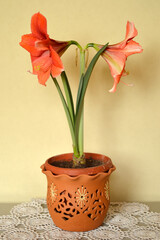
(76, 59)
(87, 57)
(37, 68)
(128, 84)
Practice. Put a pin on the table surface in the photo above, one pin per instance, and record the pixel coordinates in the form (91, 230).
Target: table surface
(153, 207)
(6, 207)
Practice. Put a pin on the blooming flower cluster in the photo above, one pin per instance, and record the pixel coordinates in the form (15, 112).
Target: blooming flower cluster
(46, 52)
(46, 61)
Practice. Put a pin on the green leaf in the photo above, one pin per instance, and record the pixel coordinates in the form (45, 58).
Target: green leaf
(90, 69)
(79, 90)
(79, 130)
(71, 126)
(68, 94)
(84, 87)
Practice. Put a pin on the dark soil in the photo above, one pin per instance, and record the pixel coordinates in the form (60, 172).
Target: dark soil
(69, 164)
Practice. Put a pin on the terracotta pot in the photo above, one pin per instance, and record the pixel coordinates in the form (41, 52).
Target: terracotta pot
(78, 203)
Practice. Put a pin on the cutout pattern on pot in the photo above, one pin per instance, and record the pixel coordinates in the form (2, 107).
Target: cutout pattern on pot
(53, 192)
(65, 207)
(106, 189)
(96, 206)
(68, 205)
(81, 196)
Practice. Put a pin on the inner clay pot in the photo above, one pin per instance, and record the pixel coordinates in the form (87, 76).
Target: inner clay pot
(95, 163)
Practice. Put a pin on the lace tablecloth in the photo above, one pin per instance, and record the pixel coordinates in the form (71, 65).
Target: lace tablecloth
(124, 221)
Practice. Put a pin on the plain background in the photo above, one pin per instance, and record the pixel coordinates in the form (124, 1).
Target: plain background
(124, 125)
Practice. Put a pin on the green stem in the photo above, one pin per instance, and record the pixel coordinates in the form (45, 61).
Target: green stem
(86, 78)
(89, 45)
(81, 124)
(71, 126)
(77, 44)
(80, 129)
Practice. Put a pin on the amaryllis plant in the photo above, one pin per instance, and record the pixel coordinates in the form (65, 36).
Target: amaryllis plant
(46, 62)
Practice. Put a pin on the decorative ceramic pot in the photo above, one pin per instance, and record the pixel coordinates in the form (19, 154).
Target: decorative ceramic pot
(78, 199)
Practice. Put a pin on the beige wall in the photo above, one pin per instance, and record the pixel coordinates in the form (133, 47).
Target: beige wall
(124, 125)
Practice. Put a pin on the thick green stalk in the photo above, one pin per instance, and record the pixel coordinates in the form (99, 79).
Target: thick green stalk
(71, 126)
(77, 44)
(75, 121)
(88, 73)
(84, 88)
(79, 130)
(79, 91)
(81, 124)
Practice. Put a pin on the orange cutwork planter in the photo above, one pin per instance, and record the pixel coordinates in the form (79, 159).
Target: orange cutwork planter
(78, 203)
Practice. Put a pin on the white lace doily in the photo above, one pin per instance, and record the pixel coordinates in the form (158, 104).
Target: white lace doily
(124, 221)
(27, 209)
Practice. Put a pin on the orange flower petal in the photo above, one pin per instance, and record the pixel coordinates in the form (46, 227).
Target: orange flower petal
(116, 61)
(39, 26)
(43, 77)
(56, 71)
(43, 44)
(116, 81)
(28, 43)
(57, 62)
(131, 31)
(59, 46)
(42, 63)
(132, 47)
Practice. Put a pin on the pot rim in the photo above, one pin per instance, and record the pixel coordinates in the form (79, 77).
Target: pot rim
(106, 165)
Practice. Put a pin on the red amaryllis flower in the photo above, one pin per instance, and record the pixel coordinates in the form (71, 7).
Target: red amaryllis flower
(45, 52)
(116, 55)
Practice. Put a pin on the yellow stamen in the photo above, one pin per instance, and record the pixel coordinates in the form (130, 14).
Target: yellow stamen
(76, 56)
(37, 68)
